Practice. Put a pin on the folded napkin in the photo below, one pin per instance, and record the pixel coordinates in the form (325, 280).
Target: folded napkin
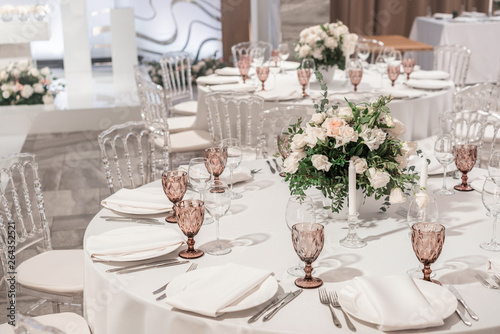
(401, 93)
(240, 174)
(134, 243)
(430, 75)
(238, 87)
(429, 84)
(427, 147)
(288, 65)
(443, 16)
(215, 79)
(477, 183)
(232, 71)
(218, 289)
(138, 201)
(280, 94)
(494, 265)
(465, 19)
(398, 302)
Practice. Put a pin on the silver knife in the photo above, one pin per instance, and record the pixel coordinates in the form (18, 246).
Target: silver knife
(464, 319)
(275, 302)
(288, 299)
(271, 167)
(277, 165)
(129, 218)
(141, 265)
(461, 300)
(159, 265)
(137, 221)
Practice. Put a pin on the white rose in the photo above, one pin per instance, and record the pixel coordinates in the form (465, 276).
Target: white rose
(373, 138)
(331, 43)
(196, 68)
(345, 113)
(27, 91)
(312, 39)
(297, 47)
(291, 163)
(320, 162)
(298, 142)
(397, 196)
(318, 118)
(346, 135)
(209, 71)
(378, 178)
(389, 121)
(34, 72)
(45, 71)
(318, 53)
(38, 88)
(304, 34)
(313, 134)
(402, 161)
(47, 99)
(398, 129)
(304, 51)
(360, 164)
(6, 94)
(15, 72)
(409, 148)
(3, 75)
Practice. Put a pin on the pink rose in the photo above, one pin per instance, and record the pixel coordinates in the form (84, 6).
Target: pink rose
(333, 125)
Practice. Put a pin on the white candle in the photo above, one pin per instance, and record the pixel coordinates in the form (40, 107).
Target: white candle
(423, 174)
(352, 189)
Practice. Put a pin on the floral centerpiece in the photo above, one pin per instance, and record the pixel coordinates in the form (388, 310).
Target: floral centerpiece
(364, 134)
(22, 84)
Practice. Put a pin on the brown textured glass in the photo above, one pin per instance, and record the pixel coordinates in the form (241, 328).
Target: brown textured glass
(465, 159)
(216, 159)
(355, 75)
(276, 56)
(393, 72)
(308, 240)
(427, 240)
(244, 67)
(174, 185)
(408, 65)
(304, 75)
(262, 74)
(190, 215)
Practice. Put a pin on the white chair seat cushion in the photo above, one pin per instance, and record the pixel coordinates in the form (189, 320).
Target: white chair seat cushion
(187, 141)
(188, 108)
(67, 322)
(55, 271)
(178, 124)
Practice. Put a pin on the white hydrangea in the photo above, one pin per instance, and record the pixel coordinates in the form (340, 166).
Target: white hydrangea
(27, 91)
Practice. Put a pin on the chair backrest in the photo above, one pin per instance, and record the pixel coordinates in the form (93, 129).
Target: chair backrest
(232, 115)
(134, 153)
(376, 47)
(21, 206)
(479, 97)
(176, 72)
(453, 59)
(245, 48)
(25, 324)
(274, 120)
(154, 108)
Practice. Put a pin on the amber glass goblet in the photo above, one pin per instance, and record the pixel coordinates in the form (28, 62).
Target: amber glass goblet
(174, 185)
(304, 75)
(216, 160)
(408, 65)
(393, 72)
(427, 240)
(308, 240)
(465, 159)
(355, 73)
(190, 214)
(244, 67)
(262, 74)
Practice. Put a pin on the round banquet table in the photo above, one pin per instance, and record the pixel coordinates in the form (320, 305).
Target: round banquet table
(255, 227)
(419, 114)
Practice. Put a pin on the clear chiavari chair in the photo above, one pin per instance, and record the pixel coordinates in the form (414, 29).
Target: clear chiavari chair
(481, 97)
(50, 275)
(233, 115)
(61, 323)
(453, 59)
(176, 72)
(245, 48)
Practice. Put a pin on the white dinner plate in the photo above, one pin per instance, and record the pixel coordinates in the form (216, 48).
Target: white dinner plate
(430, 75)
(137, 211)
(428, 84)
(231, 71)
(216, 80)
(356, 303)
(238, 87)
(259, 295)
(288, 65)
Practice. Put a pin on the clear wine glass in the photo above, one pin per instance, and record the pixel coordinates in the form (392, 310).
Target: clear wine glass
(284, 142)
(284, 50)
(381, 66)
(465, 159)
(262, 74)
(363, 51)
(443, 151)
(299, 209)
(395, 58)
(355, 73)
(257, 56)
(199, 174)
(494, 166)
(308, 240)
(388, 54)
(427, 241)
(491, 201)
(217, 200)
(393, 71)
(234, 156)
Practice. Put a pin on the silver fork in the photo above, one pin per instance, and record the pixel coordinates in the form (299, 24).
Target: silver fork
(485, 283)
(323, 298)
(192, 267)
(334, 299)
(496, 279)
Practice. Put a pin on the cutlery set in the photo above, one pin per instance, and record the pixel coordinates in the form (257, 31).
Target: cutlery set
(487, 284)
(138, 220)
(276, 304)
(273, 170)
(465, 305)
(146, 266)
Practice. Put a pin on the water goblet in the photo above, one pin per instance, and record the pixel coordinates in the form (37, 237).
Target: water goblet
(217, 200)
(308, 240)
(393, 72)
(395, 58)
(199, 174)
(408, 66)
(355, 73)
(257, 56)
(388, 54)
(284, 51)
(465, 158)
(174, 185)
(262, 74)
(299, 209)
(381, 66)
(284, 145)
(275, 56)
(244, 67)
(494, 166)
(491, 201)
(363, 51)
(427, 241)
(190, 215)
(216, 160)
(304, 75)
(443, 151)
(234, 156)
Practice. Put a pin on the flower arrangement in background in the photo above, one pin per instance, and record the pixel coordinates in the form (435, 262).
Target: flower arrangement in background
(24, 12)
(22, 84)
(364, 134)
(329, 44)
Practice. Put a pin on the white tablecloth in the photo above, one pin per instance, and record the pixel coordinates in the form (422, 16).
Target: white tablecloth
(123, 304)
(480, 37)
(420, 115)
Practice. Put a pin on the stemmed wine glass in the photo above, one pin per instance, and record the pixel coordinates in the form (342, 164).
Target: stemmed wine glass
(427, 241)
(174, 185)
(494, 166)
(262, 74)
(284, 51)
(355, 73)
(381, 66)
(216, 160)
(234, 156)
(308, 64)
(388, 54)
(299, 209)
(199, 174)
(465, 159)
(257, 56)
(363, 51)
(393, 71)
(308, 240)
(217, 200)
(190, 214)
(304, 75)
(244, 67)
(395, 58)
(443, 151)
(275, 56)
(284, 145)
(408, 66)
(491, 201)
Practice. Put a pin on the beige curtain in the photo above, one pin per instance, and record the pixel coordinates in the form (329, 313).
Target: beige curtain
(393, 17)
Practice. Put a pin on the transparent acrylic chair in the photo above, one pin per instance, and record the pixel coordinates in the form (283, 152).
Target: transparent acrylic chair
(481, 97)
(61, 323)
(51, 275)
(453, 59)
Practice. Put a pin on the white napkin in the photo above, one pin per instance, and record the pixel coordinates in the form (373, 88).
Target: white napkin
(238, 87)
(401, 93)
(232, 71)
(427, 147)
(428, 84)
(288, 65)
(138, 201)
(215, 79)
(443, 16)
(494, 265)
(240, 174)
(398, 302)
(477, 183)
(219, 289)
(464, 19)
(473, 14)
(280, 94)
(430, 75)
(134, 243)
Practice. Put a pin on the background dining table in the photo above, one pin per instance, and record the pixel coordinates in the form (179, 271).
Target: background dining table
(256, 230)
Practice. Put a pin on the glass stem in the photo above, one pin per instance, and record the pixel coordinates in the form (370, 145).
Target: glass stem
(217, 230)
(231, 180)
(444, 177)
(494, 234)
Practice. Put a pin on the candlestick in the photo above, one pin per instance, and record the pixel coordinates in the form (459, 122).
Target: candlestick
(352, 189)
(423, 174)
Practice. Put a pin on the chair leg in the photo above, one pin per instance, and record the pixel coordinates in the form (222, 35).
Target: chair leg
(56, 307)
